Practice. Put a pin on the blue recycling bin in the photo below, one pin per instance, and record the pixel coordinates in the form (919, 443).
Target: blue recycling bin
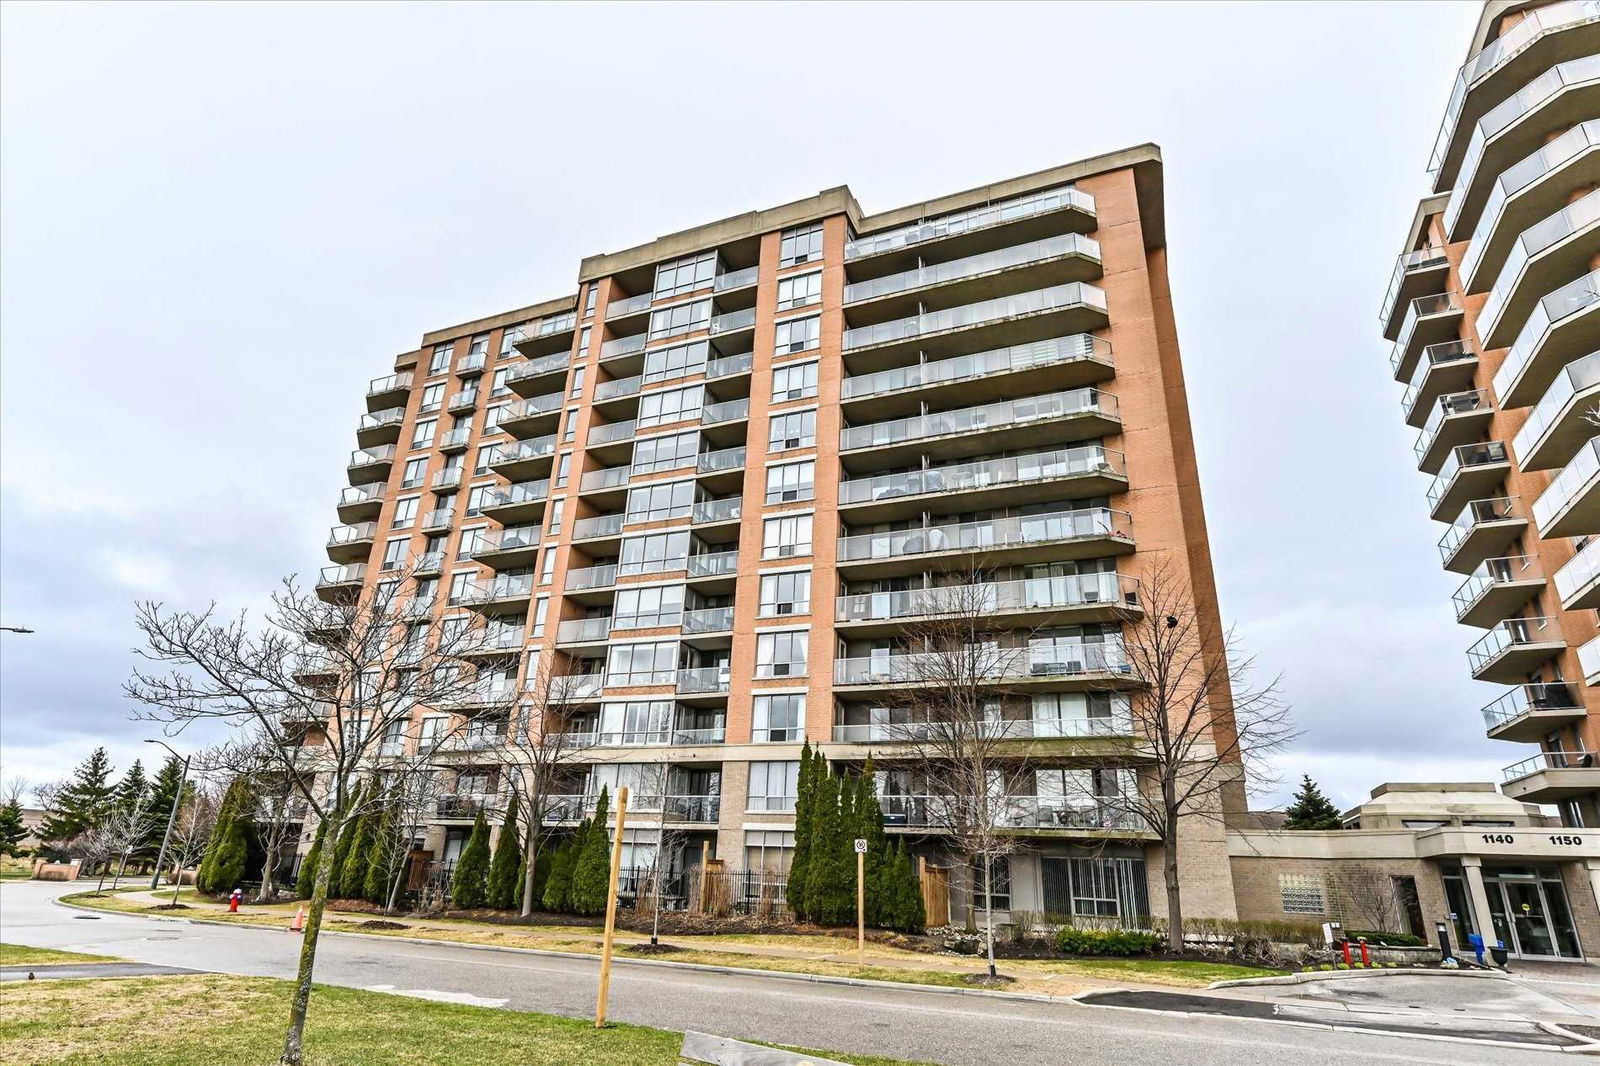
(1476, 941)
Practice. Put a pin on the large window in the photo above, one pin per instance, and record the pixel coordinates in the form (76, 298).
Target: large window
(679, 361)
(768, 850)
(800, 290)
(432, 397)
(484, 457)
(671, 405)
(686, 274)
(785, 537)
(471, 541)
(413, 475)
(779, 719)
(797, 335)
(394, 553)
(498, 386)
(802, 245)
(635, 722)
(667, 452)
(405, 512)
(782, 654)
(789, 482)
(654, 553)
(682, 318)
(797, 429)
(422, 436)
(439, 361)
(660, 501)
(795, 382)
(773, 786)
(642, 608)
(476, 497)
(783, 594)
(996, 893)
(642, 664)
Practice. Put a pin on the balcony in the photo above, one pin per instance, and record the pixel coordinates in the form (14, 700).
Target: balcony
(446, 480)
(1416, 273)
(495, 642)
(612, 433)
(629, 305)
(522, 418)
(504, 594)
(340, 584)
(604, 525)
(380, 427)
(351, 543)
(523, 459)
(429, 563)
(1446, 367)
(1469, 472)
(1053, 211)
(618, 347)
(1496, 590)
(1049, 665)
(455, 440)
(1559, 423)
(546, 337)
(1545, 36)
(472, 741)
(1547, 255)
(370, 464)
(1529, 712)
(1458, 418)
(1515, 648)
(1040, 813)
(1552, 776)
(1018, 319)
(1483, 530)
(1036, 264)
(362, 502)
(1561, 328)
(438, 520)
(708, 621)
(462, 401)
(702, 681)
(464, 806)
(1103, 726)
(538, 375)
(1589, 661)
(1092, 532)
(714, 414)
(1570, 504)
(1429, 320)
(1037, 477)
(1064, 600)
(1578, 581)
(522, 502)
(583, 631)
(390, 391)
(1555, 100)
(1029, 422)
(584, 578)
(509, 548)
(1526, 192)
(733, 322)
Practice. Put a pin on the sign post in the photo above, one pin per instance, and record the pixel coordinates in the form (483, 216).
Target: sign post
(611, 912)
(861, 902)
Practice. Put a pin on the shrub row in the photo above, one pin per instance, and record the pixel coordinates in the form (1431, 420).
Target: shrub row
(1387, 939)
(1071, 941)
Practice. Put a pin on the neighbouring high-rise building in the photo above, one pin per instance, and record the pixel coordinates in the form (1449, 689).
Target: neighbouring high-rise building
(1494, 314)
(717, 480)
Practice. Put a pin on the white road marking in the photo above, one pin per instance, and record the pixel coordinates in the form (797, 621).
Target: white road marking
(464, 998)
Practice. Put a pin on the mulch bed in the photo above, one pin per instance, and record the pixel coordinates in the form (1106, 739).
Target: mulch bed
(653, 949)
(172, 907)
(382, 925)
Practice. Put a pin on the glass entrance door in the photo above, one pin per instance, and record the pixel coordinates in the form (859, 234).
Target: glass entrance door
(1530, 920)
(1531, 915)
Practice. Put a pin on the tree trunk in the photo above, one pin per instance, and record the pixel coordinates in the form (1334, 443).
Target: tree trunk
(1169, 870)
(267, 866)
(655, 927)
(299, 1004)
(988, 910)
(530, 857)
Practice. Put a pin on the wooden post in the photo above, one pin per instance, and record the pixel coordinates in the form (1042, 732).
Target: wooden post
(611, 912)
(861, 908)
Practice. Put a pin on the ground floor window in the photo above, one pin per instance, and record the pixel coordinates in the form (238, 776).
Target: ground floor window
(997, 893)
(1103, 887)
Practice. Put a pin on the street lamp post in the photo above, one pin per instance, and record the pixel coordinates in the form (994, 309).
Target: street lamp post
(172, 817)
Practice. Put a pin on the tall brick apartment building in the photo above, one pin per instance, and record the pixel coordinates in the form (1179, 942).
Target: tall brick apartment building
(1494, 315)
(714, 479)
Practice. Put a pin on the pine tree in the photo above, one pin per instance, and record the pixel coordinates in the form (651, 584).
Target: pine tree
(505, 880)
(133, 788)
(1310, 809)
(352, 875)
(82, 803)
(163, 790)
(470, 885)
(307, 878)
(386, 853)
(591, 873)
(826, 882)
(12, 831)
(800, 859)
(557, 895)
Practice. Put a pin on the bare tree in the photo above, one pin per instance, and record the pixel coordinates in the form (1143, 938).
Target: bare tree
(668, 854)
(14, 789)
(191, 832)
(343, 677)
(1374, 894)
(410, 790)
(278, 809)
(1201, 729)
(126, 829)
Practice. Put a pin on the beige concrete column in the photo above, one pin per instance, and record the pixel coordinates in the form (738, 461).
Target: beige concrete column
(1478, 896)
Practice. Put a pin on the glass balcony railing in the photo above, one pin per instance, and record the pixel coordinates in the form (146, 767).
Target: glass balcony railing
(575, 630)
(1519, 176)
(1589, 661)
(1473, 515)
(1074, 590)
(966, 221)
(1535, 23)
(512, 538)
(708, 620)
(1017, 255)
(521, 492)
(472, 363)
(705, 679)
(464, 398)
(986, 473)
(1433, 355)
(1419, 259)
(726, 459)
(390, 383)
(361, 532)
(727, 411)
(972, 419)
(1580, 572)
(1526, 699)
(1109, 725)
(592, 577)
(1549, 760)
(986, 663)
(612, 432)
(517, 451)
(608, 477)
(730, 365)
(533, 368)
(618, 387)
(1464, 457)
(1019, 812)
(1543, 234)
(392, 416)
(1074, 348)
(532, 407)
(1577, 376)
(1454, 403)
(620, 346)
(1420, 308)
(1571, 299)
(723, 510)
(503, 587)
(371, 456)
(1056, 298)
(447, 478)
(630, 305)
(439, 518)
(736, 279)
(1491, 573)
(456, 438)
(987, 535)
(1508, 113)
(356, 495)
(349, 574)
(713, 564)
(555, 324)
(733, 320)
(603, 525)
(1512, 633)
(1575, 479)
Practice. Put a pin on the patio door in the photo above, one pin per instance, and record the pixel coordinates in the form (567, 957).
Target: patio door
(1531, 916)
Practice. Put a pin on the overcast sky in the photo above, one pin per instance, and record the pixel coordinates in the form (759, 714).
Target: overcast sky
(220, 221)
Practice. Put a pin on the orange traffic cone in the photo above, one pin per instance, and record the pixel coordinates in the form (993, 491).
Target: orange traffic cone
(299, 923)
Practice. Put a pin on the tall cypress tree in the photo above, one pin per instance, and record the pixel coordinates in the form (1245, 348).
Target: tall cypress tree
(557, 896)
(353, 874)
(1310, 809)
(229, 848)
(869, 827)
(470, 885)
(307, 878)
(591, 872)
(83, 803)
(341, 845)
(385, 854)
(505, 880)
(826, 884)
(804, 807)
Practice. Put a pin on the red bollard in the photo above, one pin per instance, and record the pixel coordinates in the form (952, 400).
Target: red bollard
(233, 901)
(1366, 959)
(1346, 946)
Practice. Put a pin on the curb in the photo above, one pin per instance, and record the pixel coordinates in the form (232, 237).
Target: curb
(1348, 975)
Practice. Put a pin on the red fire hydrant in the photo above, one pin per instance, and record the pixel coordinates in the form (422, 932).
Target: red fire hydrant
(233, 901)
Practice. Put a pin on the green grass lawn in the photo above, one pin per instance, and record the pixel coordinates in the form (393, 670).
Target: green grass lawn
(17, 955)
(238, 1021)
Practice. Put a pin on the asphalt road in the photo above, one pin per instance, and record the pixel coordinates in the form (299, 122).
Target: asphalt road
(954, 1030)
